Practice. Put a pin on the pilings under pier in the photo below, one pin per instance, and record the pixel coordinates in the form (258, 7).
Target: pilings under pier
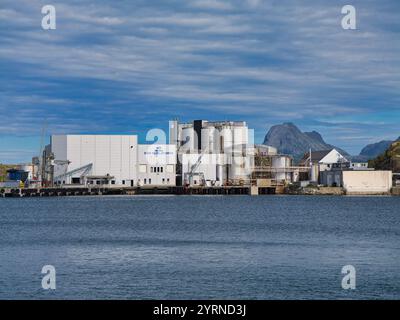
(175, 190)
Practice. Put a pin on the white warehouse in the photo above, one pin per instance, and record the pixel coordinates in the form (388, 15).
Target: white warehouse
(113, 160)
(91, 159)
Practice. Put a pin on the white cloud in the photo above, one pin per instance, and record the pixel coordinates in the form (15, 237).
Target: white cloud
(253, 58)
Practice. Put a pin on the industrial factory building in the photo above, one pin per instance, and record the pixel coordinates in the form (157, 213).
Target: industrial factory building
(94, 159)
(113, 160)
(199, 153)
(212, 153)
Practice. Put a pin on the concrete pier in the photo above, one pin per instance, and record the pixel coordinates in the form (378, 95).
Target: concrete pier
(84, 191)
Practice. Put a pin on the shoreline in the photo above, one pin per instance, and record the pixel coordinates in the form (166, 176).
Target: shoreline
(199, 191)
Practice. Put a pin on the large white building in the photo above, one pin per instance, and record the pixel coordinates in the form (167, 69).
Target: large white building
(91, 159)
(212, 153)
(113, 160)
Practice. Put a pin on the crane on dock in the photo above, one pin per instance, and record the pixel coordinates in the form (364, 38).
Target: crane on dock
(62, 177)
(195, 166)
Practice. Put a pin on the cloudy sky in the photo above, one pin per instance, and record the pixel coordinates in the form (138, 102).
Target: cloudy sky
(128, 66)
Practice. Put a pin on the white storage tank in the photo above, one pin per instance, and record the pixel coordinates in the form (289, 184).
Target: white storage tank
(221, 174)
(208, 136)
(240, 136)
(188, 139)
(227, 139)
(280, 163)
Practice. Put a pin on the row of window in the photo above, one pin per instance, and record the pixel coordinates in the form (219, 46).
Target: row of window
(169, 168)
(145, 181)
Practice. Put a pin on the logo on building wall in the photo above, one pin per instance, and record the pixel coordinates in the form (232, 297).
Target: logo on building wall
(158, 151)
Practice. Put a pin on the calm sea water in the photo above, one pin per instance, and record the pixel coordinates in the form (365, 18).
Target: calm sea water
(204, 247)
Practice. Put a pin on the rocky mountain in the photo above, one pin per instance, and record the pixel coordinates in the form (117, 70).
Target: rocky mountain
(288, 139)
(375, 149)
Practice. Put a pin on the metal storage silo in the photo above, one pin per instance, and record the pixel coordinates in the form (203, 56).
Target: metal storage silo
(226, 139)
(281, 163)
(221, 174)
(208, 139)
(188, 139)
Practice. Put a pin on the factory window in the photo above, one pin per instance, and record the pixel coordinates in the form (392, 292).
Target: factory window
(167, 180)
(149, 181)
(112, 181)
(161, 169)
(123, 181)
(158, 169)
(145, 181)
(163, 180)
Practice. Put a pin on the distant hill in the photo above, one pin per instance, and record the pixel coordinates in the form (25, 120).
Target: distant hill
(375, 149)
(288, 139)
(388, 160)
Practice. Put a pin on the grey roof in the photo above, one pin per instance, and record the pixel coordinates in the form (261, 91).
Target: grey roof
(316, 155)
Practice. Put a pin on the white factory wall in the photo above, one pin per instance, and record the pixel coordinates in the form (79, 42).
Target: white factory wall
(217, 169)
(207, 166)
(109, 154)
(157, 165)
(367, 182)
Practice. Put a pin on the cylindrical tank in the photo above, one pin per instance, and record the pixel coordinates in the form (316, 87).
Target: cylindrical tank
(208, 139)
(240, 136)
(221, 173)
(227, 139)
(188, 138)
(280, 163)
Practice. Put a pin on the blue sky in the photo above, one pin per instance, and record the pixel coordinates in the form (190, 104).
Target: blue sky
(129, 66)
